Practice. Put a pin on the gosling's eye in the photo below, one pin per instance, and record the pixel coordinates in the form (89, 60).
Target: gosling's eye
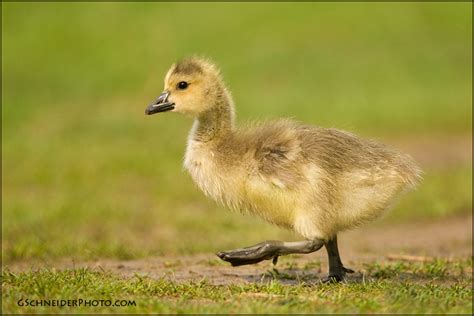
(182, 85)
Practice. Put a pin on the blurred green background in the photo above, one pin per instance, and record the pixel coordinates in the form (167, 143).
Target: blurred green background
(87, 175)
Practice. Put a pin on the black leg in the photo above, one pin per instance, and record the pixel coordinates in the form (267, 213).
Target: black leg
(269, 249)
(336, 270)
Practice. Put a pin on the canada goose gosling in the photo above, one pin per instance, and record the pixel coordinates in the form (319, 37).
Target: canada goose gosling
(314, 181)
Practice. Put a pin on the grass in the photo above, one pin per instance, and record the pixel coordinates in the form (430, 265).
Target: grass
(86, 175)
(390, 288)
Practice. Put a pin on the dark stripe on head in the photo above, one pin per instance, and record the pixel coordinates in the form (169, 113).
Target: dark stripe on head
(188, 67)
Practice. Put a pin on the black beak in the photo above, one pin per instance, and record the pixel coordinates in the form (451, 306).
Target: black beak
(161, 104)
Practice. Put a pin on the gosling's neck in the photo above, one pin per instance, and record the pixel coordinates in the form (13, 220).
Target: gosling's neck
(216, 123)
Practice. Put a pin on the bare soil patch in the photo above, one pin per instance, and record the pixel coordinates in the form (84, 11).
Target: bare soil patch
(449, 238)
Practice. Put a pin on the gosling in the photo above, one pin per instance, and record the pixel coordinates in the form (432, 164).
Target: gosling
(314, 181)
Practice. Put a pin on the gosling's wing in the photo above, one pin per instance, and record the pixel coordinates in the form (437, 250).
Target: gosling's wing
(278, 154)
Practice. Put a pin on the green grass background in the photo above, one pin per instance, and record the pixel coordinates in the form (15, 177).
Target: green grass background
(86, 174)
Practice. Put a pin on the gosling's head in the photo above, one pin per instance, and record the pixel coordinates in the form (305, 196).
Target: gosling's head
(192, 86)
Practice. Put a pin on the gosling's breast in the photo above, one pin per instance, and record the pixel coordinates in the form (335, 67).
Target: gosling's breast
(221, 183)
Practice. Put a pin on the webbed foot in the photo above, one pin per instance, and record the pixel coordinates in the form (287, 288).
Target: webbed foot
(251, 255)
(270, 249)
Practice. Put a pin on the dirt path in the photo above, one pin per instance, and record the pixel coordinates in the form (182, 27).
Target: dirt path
(448, 238)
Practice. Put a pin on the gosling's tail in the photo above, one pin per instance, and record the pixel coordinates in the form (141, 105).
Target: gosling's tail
(410, 171)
